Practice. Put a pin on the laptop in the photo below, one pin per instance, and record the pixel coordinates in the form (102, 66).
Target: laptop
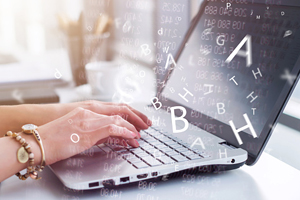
(218, 104)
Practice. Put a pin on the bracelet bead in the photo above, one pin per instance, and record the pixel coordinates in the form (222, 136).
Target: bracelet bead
(33, 175)
(22, 140)
(9, 133)
(31, 155)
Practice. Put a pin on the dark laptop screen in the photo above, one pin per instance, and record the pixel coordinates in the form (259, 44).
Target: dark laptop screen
(237, 69)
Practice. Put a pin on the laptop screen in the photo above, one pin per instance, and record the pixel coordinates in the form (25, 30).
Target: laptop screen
(236, 69)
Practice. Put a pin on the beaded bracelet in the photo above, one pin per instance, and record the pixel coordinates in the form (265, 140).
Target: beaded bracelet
(24, 154)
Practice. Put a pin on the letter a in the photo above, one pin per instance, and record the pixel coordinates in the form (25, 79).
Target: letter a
(168, 61)
(198, 141)
(239, 52)
(174, 119)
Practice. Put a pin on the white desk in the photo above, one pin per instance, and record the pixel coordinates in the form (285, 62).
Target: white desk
(268, 179)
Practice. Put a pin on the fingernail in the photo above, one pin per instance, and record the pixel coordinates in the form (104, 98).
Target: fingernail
(139, 135)
(136, 143)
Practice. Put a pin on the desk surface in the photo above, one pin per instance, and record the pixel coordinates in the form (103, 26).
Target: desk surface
(270, 178)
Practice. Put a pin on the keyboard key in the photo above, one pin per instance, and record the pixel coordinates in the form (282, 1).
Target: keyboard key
(151, 129)
(142, 142)
(175, 146)
(135, 160)
(196, 150)
(143, 154)
(151, 161)
(140, 165)
(166, 150)
(161, 146)
(165, 139)
(150, 139)
(172, 153)
(171, 142)
(161, 137)
(127, 156)
(156, 153)
(149, 148)
(186, 145)
(182, 149)
(194, 156)
(179, 158)
(156, 134)
(144, 135)
(137, 150)
(156, 142)
(187, 153)
(145, 145)
(166, 160)
(204, 155)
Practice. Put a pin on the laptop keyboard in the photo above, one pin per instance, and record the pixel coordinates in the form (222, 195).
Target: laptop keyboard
(156, 148)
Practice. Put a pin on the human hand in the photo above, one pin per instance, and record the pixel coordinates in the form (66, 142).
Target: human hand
(138, 119)
(92, 128)
(35, 114)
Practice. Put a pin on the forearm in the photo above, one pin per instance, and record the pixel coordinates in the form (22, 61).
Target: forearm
(12, 118)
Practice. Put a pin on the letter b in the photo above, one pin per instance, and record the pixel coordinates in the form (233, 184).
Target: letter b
(181, 118)
(221, 108)
(154, 102)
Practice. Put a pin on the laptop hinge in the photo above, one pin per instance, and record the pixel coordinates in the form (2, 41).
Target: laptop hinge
(227, 145)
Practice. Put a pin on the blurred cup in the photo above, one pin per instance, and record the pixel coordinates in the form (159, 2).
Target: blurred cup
(102, 77)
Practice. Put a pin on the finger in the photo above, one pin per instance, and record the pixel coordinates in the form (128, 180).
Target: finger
(119, 106)
(111, 130)
(123, 142)
(90, 121)
(113, 141)
(119, 121)
(132, 117)
(119, 141)
(141, 115)
(114, 130)
(132, 142)
(138, 113)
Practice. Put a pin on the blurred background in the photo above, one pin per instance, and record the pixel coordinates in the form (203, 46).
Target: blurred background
(46, 45)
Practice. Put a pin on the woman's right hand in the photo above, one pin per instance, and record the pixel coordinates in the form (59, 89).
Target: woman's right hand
(92, 128)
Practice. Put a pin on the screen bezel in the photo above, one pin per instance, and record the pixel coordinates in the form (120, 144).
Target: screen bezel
(279, 105)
